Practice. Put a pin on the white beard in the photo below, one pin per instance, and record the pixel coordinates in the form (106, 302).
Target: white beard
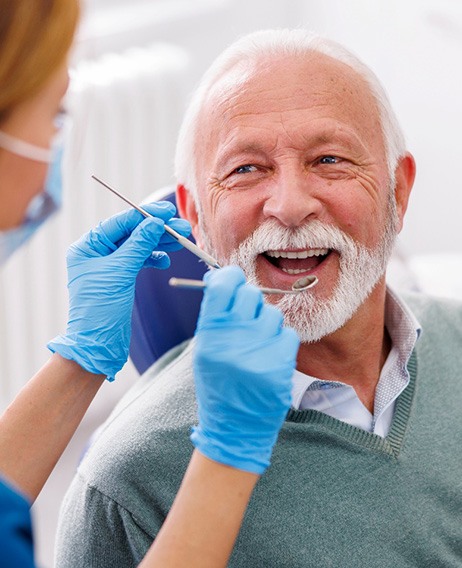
(359, 271)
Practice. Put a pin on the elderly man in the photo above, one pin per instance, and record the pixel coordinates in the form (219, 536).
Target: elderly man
(290, 162)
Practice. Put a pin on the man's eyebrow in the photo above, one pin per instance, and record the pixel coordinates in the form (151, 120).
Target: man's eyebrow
(345, 136)
(239, 149)
(331, 136)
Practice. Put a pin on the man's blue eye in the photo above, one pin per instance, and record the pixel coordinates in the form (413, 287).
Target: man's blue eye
(328, 160)
(248, 168)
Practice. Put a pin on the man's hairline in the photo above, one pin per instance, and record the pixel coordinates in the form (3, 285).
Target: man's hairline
(365, 74)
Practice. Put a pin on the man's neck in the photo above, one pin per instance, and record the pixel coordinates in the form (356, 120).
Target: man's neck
(354, 354)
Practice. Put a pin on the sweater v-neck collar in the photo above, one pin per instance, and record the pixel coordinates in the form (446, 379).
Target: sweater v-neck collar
(391, 444)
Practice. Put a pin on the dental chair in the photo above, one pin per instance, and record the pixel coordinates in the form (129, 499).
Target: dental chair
(164, 316)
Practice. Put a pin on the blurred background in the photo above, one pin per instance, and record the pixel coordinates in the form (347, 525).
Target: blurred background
(133, 66)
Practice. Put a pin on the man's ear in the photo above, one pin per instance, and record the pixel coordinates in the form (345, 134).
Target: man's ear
(404, 176)
(186, 206)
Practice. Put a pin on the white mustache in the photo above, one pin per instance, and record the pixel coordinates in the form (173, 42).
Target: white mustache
(271, 236)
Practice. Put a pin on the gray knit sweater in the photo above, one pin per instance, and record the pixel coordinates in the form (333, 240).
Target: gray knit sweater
(334, 496)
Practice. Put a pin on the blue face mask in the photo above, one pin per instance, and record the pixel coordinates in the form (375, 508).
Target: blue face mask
(42, 205)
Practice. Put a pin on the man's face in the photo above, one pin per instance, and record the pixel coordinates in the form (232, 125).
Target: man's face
(296, 148)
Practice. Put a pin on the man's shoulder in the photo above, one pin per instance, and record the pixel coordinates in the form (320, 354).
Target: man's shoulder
(441, 332)
(435, 311)
(167, 377)
(164, 390)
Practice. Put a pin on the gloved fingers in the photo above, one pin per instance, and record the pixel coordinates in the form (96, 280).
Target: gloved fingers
(283, 348)
(169, 243)
(220, 291)
(106, 237)
(162, 209)
(292, 342)
(247, 304)
(140, 244)
(120, 226)
(208, 274)
(91, 244)
(271, 321)
(159, 260)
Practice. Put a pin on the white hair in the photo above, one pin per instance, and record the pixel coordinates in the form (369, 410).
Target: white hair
(263, 45)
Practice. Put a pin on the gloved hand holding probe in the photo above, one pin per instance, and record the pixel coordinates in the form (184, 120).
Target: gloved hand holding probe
(243, 365)
(102, 269)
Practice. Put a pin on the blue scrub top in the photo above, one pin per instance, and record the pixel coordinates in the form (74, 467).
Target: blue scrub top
(16, 545)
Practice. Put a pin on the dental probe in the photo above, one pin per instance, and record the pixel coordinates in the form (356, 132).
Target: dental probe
(182, 240)
(298, 286)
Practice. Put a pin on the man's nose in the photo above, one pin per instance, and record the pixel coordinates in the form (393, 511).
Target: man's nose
(292, 199)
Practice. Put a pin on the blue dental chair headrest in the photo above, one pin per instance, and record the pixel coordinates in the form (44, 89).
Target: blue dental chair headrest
(164, 316)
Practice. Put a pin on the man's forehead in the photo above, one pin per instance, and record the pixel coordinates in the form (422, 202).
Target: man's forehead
(298, 89)
(313, 73)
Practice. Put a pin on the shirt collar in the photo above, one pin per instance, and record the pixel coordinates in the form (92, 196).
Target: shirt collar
(404, 330)
(402, 325)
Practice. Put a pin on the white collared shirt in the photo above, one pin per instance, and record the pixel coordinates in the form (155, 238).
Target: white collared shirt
(340, 400)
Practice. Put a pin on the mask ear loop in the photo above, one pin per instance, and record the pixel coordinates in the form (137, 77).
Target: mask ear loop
(25, 149)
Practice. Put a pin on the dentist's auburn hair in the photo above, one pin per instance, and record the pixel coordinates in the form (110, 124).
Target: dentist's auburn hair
(35, 38)
(263, 46)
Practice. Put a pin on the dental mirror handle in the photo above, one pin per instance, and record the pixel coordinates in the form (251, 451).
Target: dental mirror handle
(308, 282)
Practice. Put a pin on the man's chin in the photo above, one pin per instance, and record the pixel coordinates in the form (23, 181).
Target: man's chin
(313, 319)
(310, 324)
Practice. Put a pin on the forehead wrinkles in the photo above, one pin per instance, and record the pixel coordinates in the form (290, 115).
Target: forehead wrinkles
(312, 79)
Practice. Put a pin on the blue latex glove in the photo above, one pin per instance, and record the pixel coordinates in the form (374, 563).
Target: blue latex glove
(102, 268)
(243, 365)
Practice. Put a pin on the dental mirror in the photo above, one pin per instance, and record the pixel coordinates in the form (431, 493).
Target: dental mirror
(299, 285)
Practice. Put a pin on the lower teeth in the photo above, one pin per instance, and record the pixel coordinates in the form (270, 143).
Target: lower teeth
(294, 270)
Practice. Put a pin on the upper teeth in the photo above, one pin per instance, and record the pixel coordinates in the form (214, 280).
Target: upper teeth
(297, 254)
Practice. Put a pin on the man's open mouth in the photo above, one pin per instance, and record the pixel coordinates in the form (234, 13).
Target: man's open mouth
(296, 262)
